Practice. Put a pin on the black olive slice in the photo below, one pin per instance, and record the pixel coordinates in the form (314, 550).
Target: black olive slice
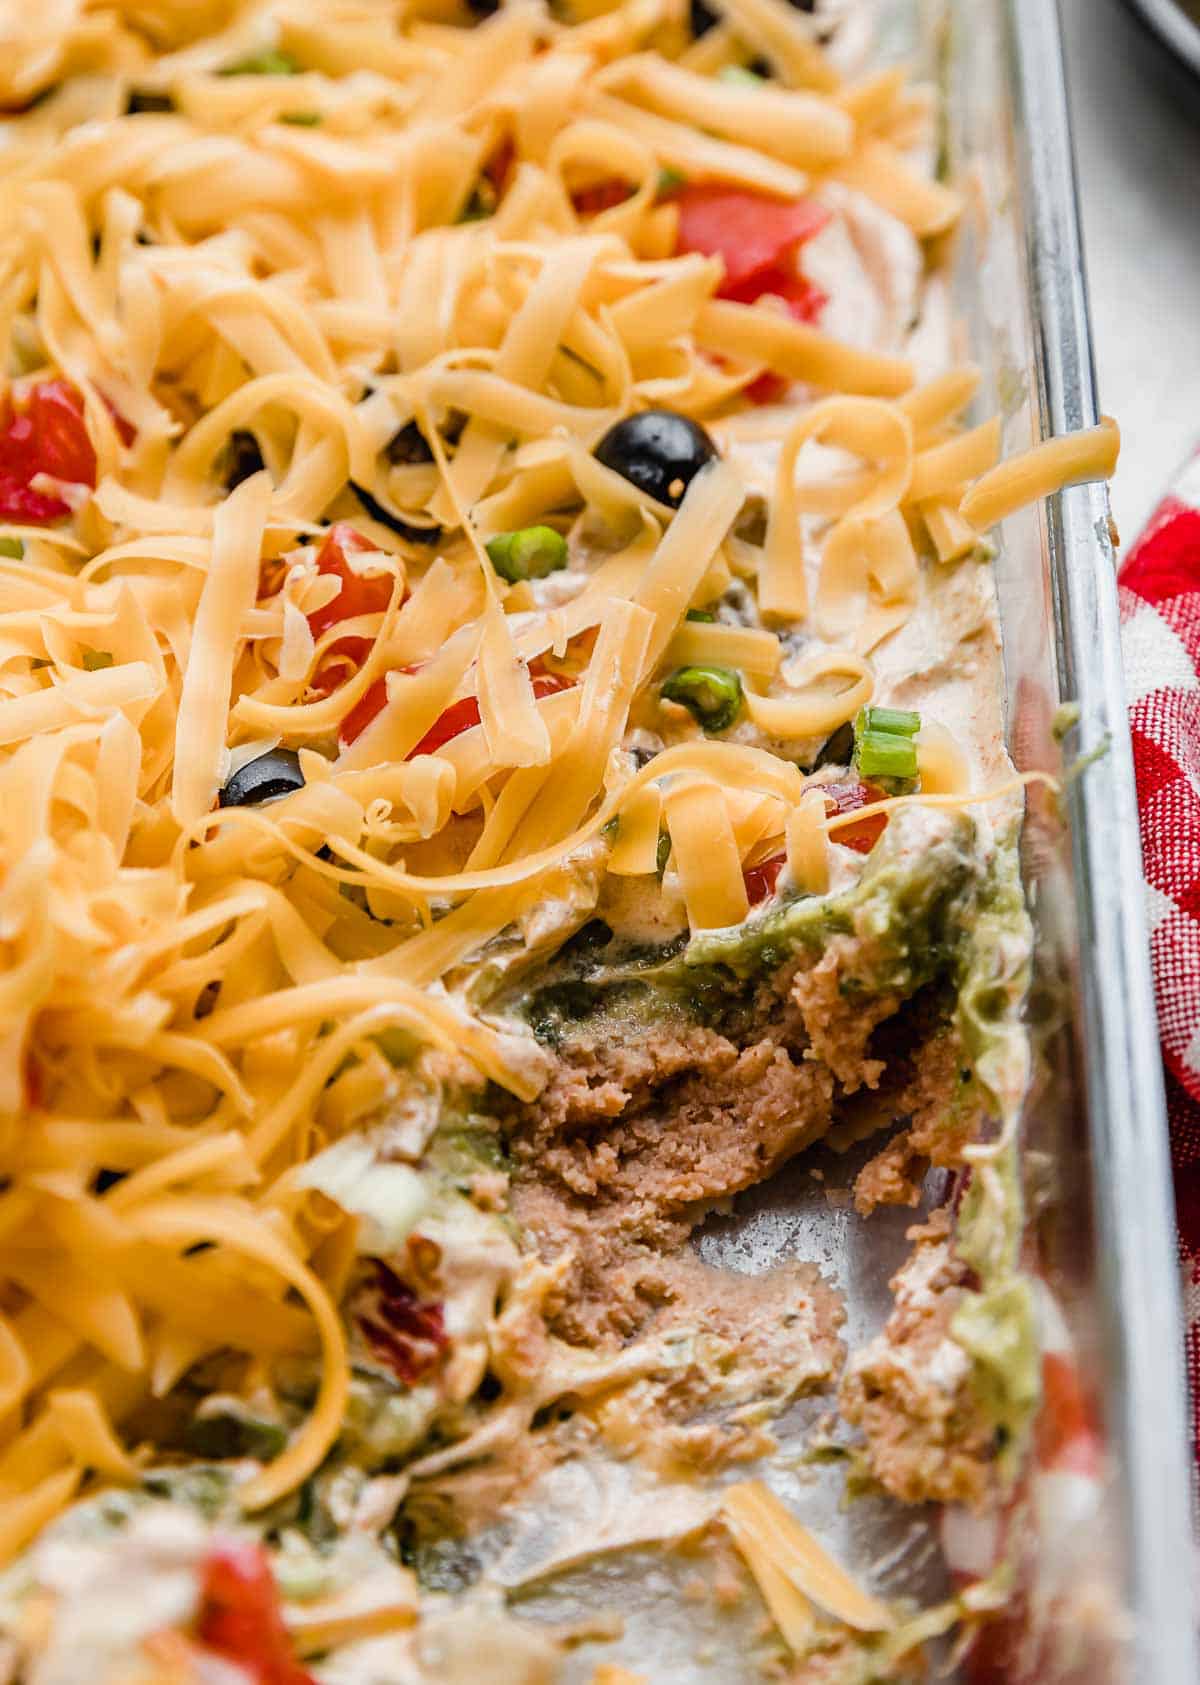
(658, 451)
(277, 773)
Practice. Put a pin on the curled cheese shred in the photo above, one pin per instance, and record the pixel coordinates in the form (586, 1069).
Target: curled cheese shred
(866, 427)
(182, 1222)
(705, 853)
(807, 845)
(833, 687)
(1038, 473)
(869, 575)
(784, 1556)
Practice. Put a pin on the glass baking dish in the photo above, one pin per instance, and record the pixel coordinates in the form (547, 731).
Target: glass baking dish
(1098, 1187)
(1106, 1234)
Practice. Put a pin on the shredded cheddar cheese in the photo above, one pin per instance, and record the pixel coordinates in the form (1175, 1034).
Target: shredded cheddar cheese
(393, 250)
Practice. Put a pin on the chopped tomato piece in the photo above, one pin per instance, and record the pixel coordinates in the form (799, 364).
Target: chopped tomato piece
(752, 233)
(357, 595)
(31, 508)
(460, 716)
(46, 435)
(240, 1616)
(344, 657)
(761, 880)
(63, 448)
(601, 196)
(804, 299)
(848, 798)
(372, 701)
(406, 1333)
(767, 389)
(1067, 1435)
(756, 237)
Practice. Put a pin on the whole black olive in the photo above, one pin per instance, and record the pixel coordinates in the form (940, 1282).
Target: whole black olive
(277, 773)
(658, 451)
(242, 458)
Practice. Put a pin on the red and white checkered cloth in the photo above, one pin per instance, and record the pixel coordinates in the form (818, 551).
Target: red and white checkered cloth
(1160, 632)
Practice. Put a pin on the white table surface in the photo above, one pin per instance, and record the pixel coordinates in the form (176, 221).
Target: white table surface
(1137, 135)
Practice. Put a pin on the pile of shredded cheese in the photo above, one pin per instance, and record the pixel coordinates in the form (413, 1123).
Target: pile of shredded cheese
(299, 256)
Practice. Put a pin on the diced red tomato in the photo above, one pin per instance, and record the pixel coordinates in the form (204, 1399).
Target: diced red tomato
(406, 1333)
(601, 196)
(761, 880)
(848, 798)
(357, 596)
(756, 237)
(46, 435)
(240, 1617)
(372, 701)
(804, 299)
(459, 716)
(805, 302)
(767, 389)
(753, 234)
(1067, 1436)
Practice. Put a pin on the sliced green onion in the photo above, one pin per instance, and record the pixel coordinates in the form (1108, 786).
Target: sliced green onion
(741, 75)
(12, 547)
(531, 553)
(901, 722)
(268, 63)
(669, 180)
(301, 119)
(886, 754)
(712, 695)
(705, 616)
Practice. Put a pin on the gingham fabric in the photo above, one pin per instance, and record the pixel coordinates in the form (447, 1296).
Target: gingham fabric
(1160, 615)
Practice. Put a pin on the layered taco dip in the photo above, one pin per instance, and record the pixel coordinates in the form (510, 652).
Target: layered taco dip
(500, 706)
